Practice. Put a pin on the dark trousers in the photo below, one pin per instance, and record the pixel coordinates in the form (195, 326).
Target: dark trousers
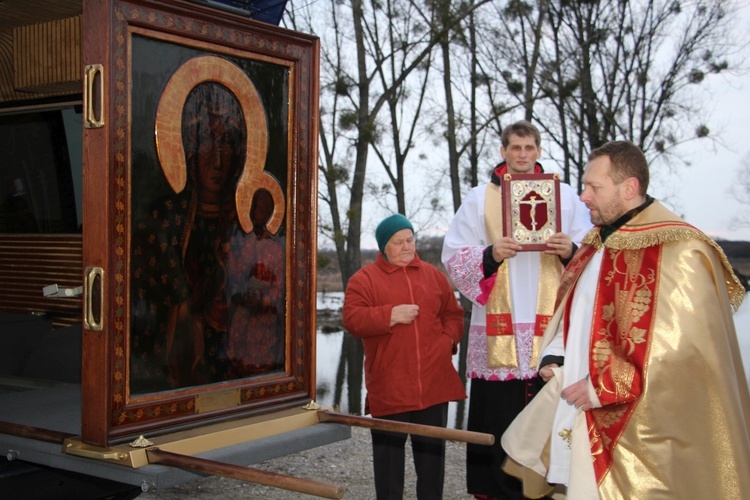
(388, 450)
(492, 407)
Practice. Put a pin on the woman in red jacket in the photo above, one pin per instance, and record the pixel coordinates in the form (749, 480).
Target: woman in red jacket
(410, 323)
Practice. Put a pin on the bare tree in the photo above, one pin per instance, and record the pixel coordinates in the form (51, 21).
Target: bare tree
(467, 120)
(369, 51)
(404, 106)
(594, 71)
(634, 69)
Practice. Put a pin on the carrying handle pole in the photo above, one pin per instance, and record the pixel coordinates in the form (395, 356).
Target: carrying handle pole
(204, 466)
(407, 428)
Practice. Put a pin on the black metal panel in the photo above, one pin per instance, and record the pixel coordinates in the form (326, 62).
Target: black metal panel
(268, 11)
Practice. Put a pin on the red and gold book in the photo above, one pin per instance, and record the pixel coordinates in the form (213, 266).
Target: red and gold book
(531, 207)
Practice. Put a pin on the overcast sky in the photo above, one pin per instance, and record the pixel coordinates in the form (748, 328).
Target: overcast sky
(706, 202)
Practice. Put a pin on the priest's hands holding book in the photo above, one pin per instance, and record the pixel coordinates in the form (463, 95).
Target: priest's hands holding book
(561, 245)
(505, 248)
(558, 244)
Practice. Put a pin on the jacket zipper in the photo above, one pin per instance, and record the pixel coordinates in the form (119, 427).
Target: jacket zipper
(416, 338)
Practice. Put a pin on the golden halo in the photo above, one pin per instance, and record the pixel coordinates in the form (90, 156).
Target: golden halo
(168, 132)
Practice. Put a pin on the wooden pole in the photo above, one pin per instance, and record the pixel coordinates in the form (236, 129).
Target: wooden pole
(204, 466)
(36, 433)
(407, 428)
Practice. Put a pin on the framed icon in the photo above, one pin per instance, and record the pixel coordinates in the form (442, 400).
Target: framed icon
(204, 231)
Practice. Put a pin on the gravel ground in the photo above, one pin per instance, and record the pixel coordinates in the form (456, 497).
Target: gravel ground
(345, 463)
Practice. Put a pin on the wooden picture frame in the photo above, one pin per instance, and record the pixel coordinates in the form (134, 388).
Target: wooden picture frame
(205, 152)
(531, 205)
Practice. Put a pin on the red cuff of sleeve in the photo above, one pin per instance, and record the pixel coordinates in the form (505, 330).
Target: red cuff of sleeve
(486, 286)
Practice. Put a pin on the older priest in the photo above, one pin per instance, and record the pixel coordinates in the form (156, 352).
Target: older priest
(646, 395)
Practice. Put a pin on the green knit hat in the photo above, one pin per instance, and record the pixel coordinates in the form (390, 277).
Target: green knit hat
(390, 226)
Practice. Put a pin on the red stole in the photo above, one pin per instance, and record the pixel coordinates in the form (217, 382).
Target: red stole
(620, 339)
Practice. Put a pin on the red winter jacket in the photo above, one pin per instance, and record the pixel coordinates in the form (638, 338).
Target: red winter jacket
(407, 367)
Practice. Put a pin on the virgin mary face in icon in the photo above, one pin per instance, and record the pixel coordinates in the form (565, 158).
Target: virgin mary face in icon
(215, 143)
(222, 112)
